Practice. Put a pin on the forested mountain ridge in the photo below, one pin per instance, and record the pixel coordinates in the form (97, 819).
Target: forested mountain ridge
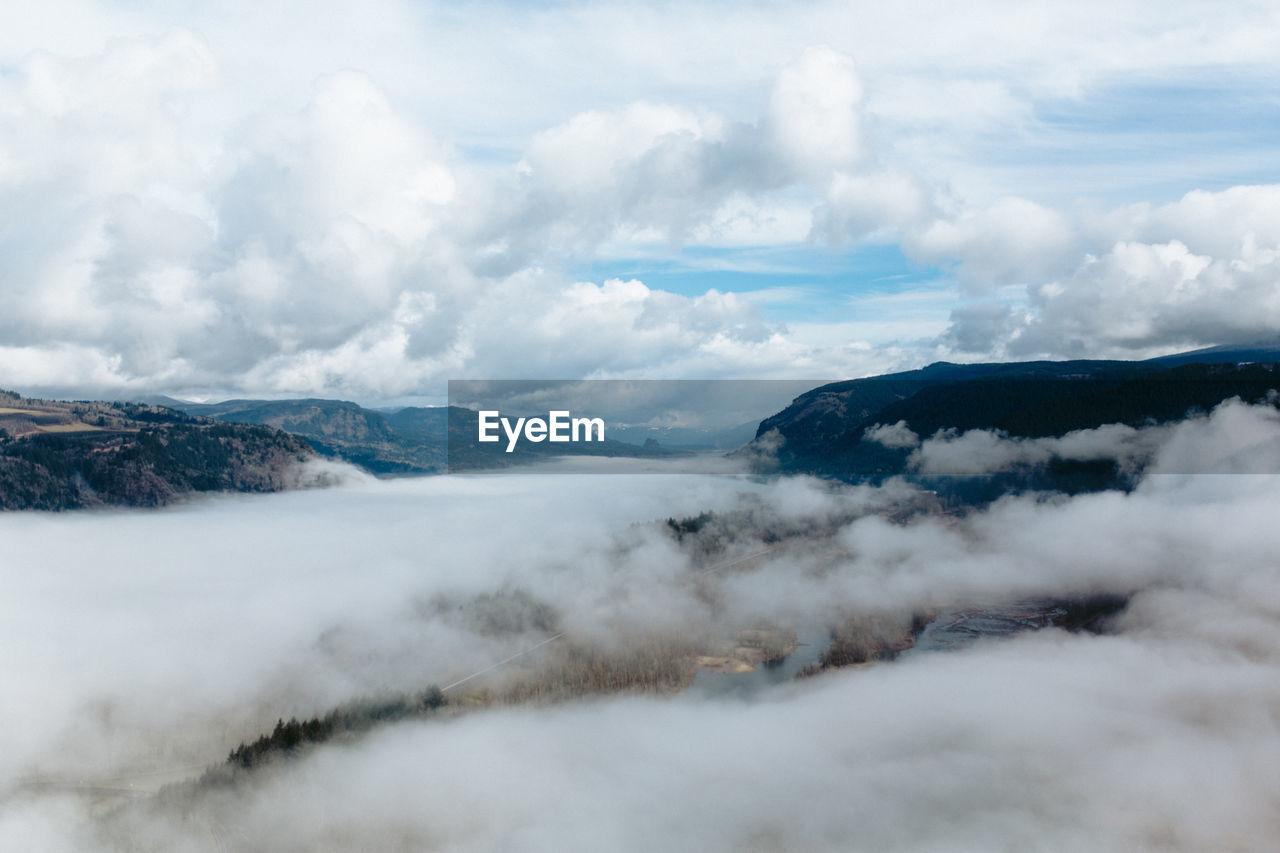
(824, 431)
(57, 455)
(409, 441)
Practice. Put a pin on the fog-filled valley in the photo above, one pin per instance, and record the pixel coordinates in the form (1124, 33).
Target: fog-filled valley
(605, 426)
(140, 648)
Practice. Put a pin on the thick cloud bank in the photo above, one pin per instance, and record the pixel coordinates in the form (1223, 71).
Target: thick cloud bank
(1235, 438)
(139, 647)
(403, 193)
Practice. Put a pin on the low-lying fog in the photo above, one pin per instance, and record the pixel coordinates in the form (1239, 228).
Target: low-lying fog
(138, 648)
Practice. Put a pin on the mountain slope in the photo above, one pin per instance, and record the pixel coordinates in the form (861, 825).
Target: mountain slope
(411, 441)
(823, 431)
(56, 455)
(1261, 352)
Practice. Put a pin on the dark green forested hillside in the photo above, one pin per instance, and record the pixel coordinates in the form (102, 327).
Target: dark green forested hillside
(823, 431)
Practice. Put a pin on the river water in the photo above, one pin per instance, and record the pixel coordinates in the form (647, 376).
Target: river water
(958, 627)
(951, 630)
(812, 643)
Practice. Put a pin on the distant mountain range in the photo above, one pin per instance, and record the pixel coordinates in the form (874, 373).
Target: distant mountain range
(823, 429)
(409, 441)
(61, 455)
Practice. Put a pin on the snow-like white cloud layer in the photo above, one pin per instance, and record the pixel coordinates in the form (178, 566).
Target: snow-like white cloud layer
(140, 646)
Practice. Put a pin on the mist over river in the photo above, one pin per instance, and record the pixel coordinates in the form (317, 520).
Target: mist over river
(140, 647)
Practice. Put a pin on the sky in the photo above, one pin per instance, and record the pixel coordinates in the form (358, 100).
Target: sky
(364, 200)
